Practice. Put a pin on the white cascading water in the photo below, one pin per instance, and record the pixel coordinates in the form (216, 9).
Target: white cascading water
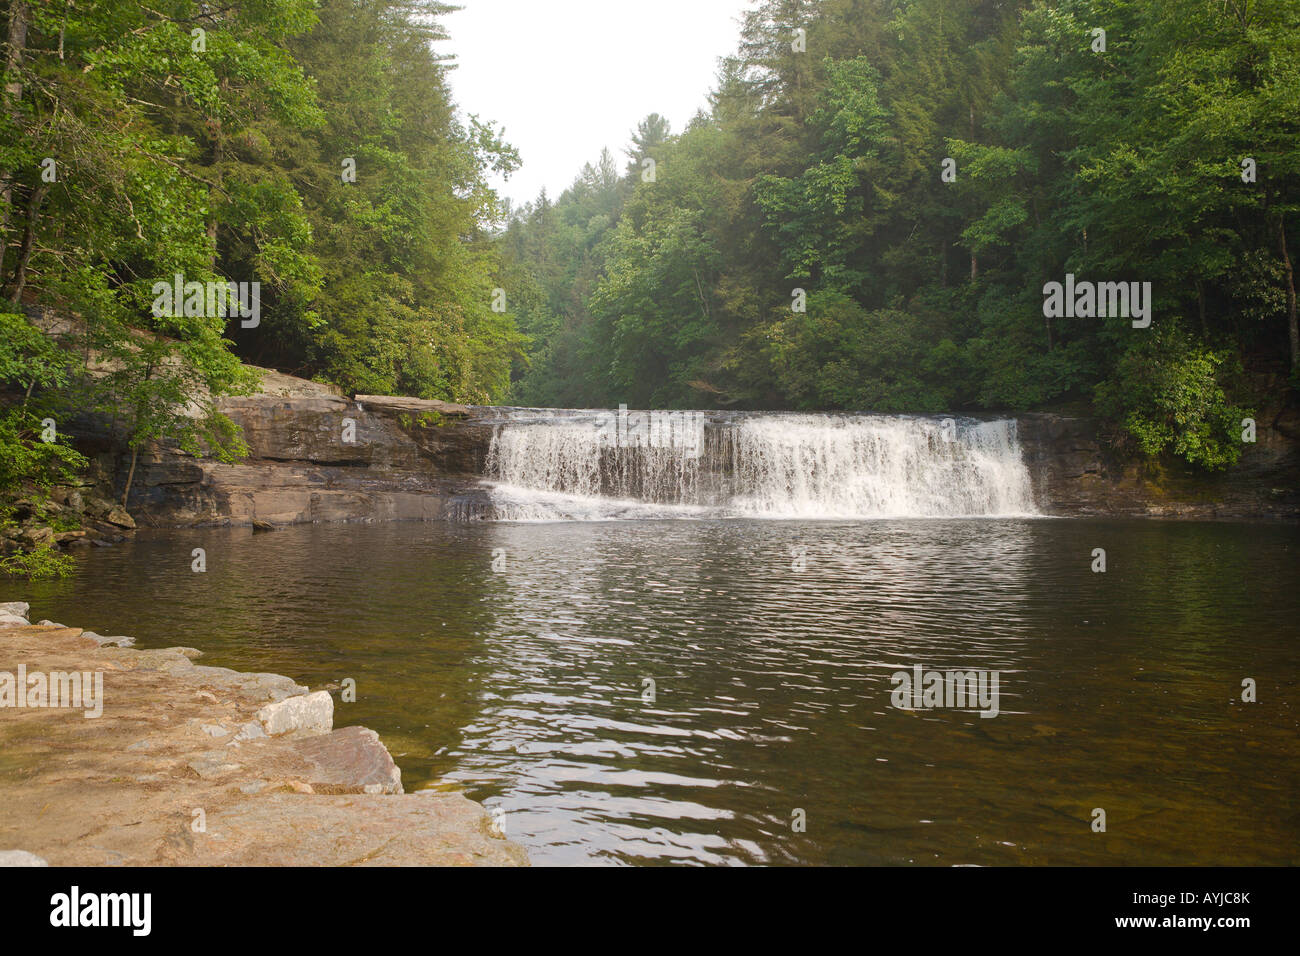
(566, 466)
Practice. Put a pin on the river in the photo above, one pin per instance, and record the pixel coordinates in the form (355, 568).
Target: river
(718, 690)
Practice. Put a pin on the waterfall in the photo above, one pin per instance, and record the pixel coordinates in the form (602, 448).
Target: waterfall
(558, 465)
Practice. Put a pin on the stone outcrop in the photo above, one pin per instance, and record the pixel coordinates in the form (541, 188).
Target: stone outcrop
(319, 457)
(315, 455)
(33, 511)
(1076, 472)
(178, 770)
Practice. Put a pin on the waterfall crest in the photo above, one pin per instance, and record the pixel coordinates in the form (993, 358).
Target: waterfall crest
(567, 465)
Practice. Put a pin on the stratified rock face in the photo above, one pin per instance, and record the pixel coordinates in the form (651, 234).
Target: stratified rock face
(1075, 472)
(318, 457)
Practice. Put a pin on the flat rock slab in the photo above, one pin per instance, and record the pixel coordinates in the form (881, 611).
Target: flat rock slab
(178, 743)
(285, 829)
(403, 403)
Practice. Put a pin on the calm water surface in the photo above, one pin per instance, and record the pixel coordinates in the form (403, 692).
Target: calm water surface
(524, 686)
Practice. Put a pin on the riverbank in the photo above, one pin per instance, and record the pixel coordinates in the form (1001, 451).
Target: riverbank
(189, 765)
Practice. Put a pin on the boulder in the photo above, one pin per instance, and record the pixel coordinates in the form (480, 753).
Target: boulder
(36, 536)
(98, 507)
(118, 516)
(307, 713)
(351, 760)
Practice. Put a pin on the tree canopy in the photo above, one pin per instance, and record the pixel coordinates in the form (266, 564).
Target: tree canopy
(866, 216)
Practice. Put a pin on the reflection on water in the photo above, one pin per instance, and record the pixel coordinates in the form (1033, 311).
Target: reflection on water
(527, 686)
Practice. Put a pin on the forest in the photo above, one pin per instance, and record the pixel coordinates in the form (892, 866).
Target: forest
(869, 213)
(866, 216)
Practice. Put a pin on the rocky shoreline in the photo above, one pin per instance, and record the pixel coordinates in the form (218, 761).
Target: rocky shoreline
(189, 765)
(315, 455)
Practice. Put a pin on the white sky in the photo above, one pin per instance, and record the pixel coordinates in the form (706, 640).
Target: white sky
(568, 77)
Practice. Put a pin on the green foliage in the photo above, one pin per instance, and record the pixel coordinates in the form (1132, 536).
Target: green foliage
(818, 171)
(30, 360)
(43, 561)
(824, 173)
(839, 357)
(209, 141)
(1168, 394)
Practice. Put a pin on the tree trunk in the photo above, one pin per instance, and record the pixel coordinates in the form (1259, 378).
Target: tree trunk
(29, 235)
(130, 476)
(214, 194)
(213, 197)
(1290, 298)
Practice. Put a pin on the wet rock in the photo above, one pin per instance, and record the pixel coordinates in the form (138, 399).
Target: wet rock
(309, 713)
